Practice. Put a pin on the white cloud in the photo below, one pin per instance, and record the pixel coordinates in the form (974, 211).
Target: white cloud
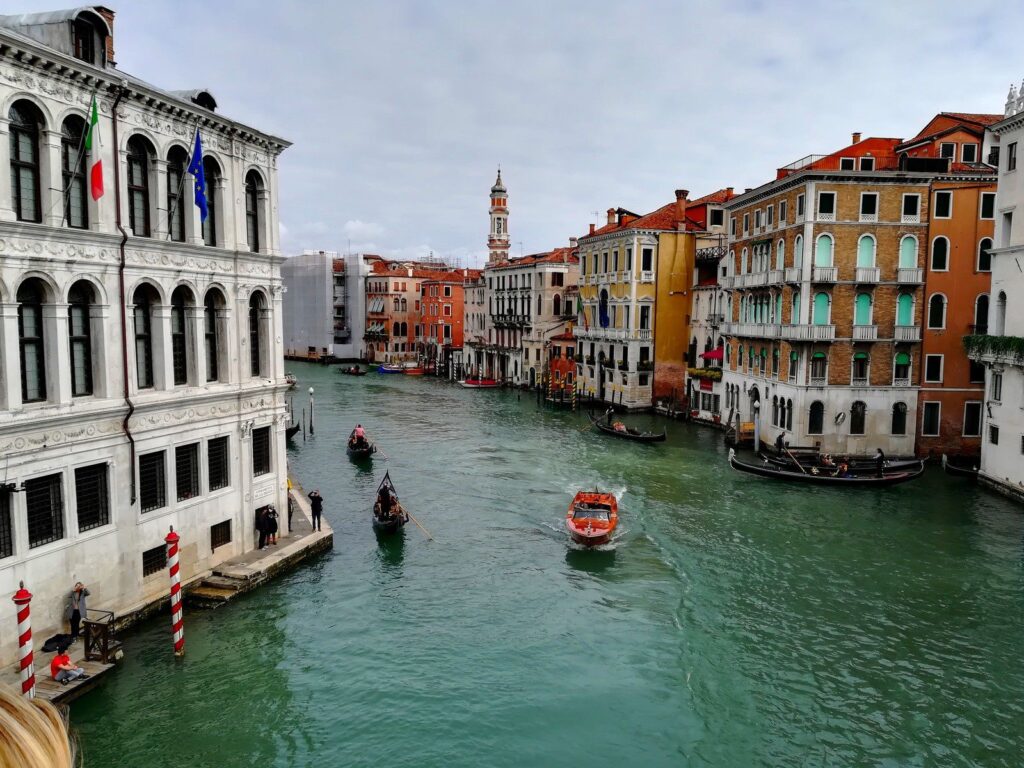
(361, 230)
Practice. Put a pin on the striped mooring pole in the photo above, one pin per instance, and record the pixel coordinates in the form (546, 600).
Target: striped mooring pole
(22, 598)
(177, 623)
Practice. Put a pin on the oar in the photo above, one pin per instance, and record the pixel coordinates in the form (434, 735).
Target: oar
(795, 461)
(425, 531)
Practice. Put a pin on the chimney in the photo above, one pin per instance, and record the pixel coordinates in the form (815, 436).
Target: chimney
(108, 16)
(729, 191)
(856, 137)
(573, 242)
(611, 215)
(681, 195)
(592, 227)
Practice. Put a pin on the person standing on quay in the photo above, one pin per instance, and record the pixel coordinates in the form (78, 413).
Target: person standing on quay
(76, 610)
(261, 526)
(271, 525)
(317, 505)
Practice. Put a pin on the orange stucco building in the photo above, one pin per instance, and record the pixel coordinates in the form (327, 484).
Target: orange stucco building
(393, 297)
(442, 310)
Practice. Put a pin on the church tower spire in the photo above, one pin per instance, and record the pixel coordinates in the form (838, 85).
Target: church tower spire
(497, 239)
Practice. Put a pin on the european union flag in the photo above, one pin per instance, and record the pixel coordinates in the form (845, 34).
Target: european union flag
(196, 169)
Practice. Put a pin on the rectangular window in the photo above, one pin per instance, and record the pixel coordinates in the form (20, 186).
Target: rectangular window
(867, 163)
(969, 153)
(217, 463)
(645, 318)
(92, 497)
(448, 290)
(993, 434)
(629, 258)
(783, 210)
(152, 481)
(717, 217)
(943, 205)
(911, 207)
(6, 530)
(995, 391)
(220, 534)
(80, 346)
(154, 560)
(947, 149)
(933, 369)
(1011, 156)
(732, 226)
(447, 332)
(746, 223)
(869, 206)
(186, 471)
(757, 219)
(827, 204)
(799, 205)
(972, 419)
(846, 164)
(988, 205)
(261, 451)
(558, 278)
(930, 419)
(44, 506)
(976, 372)
(647, 260)
(769, 215)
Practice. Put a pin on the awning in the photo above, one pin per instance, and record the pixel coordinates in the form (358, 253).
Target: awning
(714, 354)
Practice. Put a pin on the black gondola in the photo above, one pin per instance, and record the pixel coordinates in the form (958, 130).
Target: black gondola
(353, 370)
(961, 466)
(359, 452)
(859, 466)
(291, 431)
(394, 517)
(629, 433)
(862, 481)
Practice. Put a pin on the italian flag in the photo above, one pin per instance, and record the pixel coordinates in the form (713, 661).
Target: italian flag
(93, 146)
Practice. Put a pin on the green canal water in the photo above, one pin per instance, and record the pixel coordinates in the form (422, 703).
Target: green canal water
(734, 622)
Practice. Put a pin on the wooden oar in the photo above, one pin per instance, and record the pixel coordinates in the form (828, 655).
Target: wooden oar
(795, 461)
(425, 531)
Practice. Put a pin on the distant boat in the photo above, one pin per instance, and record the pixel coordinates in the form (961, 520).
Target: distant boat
(961, 466)
(390, 368)
(823, 478)
(480, 383)
(411, 369)
(394, 517)
(291, 431)
(291, 380)
(592, 517)
(353, 370)
(358, 451)
(628, 433)
(858, 465)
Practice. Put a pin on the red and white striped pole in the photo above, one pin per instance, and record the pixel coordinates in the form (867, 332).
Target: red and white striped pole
(22, 598)
(177, 623)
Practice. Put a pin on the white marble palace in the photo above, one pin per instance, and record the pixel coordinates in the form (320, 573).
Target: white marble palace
(141, 374)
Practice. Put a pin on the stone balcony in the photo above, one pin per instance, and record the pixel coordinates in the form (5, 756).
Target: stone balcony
(825, 274)
(867, 274)
(910, 275)
(907, 333)
(865, 332)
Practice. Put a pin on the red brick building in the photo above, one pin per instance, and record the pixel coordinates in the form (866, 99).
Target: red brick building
(440, 331)
(393, 297)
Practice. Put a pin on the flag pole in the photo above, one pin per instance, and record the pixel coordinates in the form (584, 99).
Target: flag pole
(181, 183)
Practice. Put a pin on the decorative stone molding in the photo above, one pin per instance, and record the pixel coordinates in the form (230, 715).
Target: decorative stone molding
(59, 436)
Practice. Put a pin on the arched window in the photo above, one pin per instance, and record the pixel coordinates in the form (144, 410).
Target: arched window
(139, 155)
(780, 255)
(940, 254)
(857, 418)
(257, 354)
(775, 411)
(73, 159)
(396, 329)
(901, 369)
(819, 369)
(816, 421)
(253, 225)
(602, 309)
(24, 128)
(798, 251)
(31, 297)
(144, 299)
(556, 305)
(862, 309)
(789, 415)
(999, 321)
(937, 311)
(905, 309)
(823, 251)
(743, 261)
(405, 305)
(899, 419)
(984, 255)
(81, 297)
(866, 251)
(908, 252)
(794, 315)
(539, 304)
(821, 308)
(775, 362)
(177, 162)
(213, 307)
(181, 297)
(981, 314)
(731, 267)
(405, 329)
(211, 173)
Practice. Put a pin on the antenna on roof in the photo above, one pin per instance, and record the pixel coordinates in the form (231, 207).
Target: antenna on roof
(597, 215)
(520, 248)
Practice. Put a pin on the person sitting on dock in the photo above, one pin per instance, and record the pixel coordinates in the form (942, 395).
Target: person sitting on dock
(63, 671)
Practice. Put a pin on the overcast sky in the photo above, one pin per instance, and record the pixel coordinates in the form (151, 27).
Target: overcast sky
(400, 112)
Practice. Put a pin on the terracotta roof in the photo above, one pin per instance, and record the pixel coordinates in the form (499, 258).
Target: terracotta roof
(944, 118)
(721, 196)
(975, 117)
(665, 218)
(567, 336)
(556, 256)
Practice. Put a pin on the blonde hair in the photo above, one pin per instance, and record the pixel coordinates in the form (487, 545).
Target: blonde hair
(33, 733)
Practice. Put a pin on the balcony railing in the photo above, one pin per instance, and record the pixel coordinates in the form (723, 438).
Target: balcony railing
(727, 281)
(808, 332)
(865, 332)
(776, 276)
(910, 275)
(716, 319)
(901, 381)
(819, 381)
(867, 274)
(793, 274)
(757, 330)
(647, 276)
(869, 218)
(908, 333)
(825, 274)
(643, 334)
(826, 216)
(910, 218)
(859, 381)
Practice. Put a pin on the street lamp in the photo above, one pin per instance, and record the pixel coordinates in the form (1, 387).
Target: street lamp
(310, 410)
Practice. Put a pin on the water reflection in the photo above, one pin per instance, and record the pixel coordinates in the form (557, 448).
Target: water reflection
(391, 551)
(594, 561)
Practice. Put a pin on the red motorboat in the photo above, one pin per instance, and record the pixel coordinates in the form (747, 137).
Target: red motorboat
(592, 517)
(480, 383)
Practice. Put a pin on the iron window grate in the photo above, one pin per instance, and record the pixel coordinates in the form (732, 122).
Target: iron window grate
(44, 505)
(152, 481)
(6, 532)
(217, 455)
(220, 534)
(92, 496)
(154, 560)
(261, 451)
(186, 474)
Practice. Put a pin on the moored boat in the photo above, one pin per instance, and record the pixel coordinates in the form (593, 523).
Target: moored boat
(480, 383)
(618, 429)
(353, 370)
(816, 477)
(858, 465)
(960, 466)
(417, 371)
(359, 448)
(592, 517)
(390, 368)
(388, 513)
(291, 431)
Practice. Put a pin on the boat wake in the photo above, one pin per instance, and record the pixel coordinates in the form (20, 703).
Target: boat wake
(618, 492)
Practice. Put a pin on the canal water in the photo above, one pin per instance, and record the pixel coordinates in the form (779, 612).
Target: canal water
(733, 622)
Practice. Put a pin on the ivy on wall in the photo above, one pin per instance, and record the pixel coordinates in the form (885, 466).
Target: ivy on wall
(997, 346)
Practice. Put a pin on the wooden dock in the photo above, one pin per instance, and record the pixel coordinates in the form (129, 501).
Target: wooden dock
(49, 689)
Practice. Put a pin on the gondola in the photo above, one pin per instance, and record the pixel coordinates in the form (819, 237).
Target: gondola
(855, 481)
(857, 466)
(353, 370)
(361, 452)
(393, 520)
(962, 466)
(291, 431)
(628, 433)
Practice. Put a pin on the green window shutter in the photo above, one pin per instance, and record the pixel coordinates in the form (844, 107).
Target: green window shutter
(908, 253)
(823, 251)
(818, 356)
(860, 356)
(902, 359)
(821, 309)
(905, 309)
(866, 252)
(862, 310)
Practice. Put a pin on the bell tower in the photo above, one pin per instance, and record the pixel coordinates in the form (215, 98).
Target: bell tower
(497, 239)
